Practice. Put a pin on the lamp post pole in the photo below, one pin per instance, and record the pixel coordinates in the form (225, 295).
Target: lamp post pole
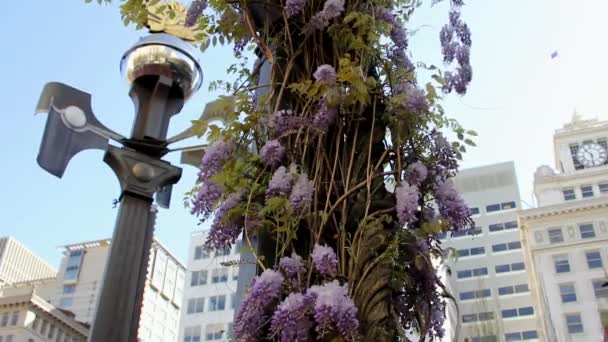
(163, 73)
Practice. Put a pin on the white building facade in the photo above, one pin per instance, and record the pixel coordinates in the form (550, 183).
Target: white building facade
(488, 277)
(27, 317)
(80, 279)
(17, 263)
(210, 292)
(566, 237)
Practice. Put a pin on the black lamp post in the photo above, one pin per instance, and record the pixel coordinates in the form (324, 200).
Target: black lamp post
(163, 73)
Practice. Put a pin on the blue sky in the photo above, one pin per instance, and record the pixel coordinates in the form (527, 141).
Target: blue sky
(519, 96)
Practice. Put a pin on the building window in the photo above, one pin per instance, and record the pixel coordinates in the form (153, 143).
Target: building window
(73, 266)
(199, 278)
(587, 231)
(475, 294)
(525, 311)
(567, 293)
(475, 211)
(4, 321)
(224, 251)
(217, 303)
(15, 318)
(573, 152)
(496, 227)
(603, 188)
(556, 235)
(219, 275)
(529, 335)
(502, 247)
(214, 332)
(587, 191)
(464, 274)
(200, 252)
(470, 252)
(478, 272)
(486, 316)
(600, 288)
(511, 225)
(594, 259)
(508, 205)
(235, 273)
(43, 327)
(196, 305)
(492, 208)
(489, 338)
(66, 302)
(52, 331)
(569, 194)
(469, 318)
(561, 264)
(522, 288)
(192, 334)
(502, 268)
(574, 323)
(67, 289)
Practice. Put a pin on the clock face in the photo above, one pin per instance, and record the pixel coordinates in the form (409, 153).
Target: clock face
(591, 154)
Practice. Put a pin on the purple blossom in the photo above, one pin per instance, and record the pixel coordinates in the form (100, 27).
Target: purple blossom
(214, 158)
(451, 206)
(272, 153)
(225, 230)
(398, 33)
(449, 52)
(333, 8)
(324, 117)
(455, 18)
(206, 197)
(280, 183)
(460, 80)
(293, 7)
(462, 55)
(407, 202)
(285, 120)
(265, 289)
(325, 73)
(301, 193)
(325, 260)
(194, 12)
(292, 266)
(416, 99)
(335, 311)
(464, 33)
(417, 173)
(292, 319)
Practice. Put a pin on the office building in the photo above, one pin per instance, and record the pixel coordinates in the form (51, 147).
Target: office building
(18, 263)
(488, 277)
(565, 238)
(25, 316)
(80, 279)
(210, 292)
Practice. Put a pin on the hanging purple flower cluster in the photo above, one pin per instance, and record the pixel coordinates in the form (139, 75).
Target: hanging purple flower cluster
(225, 229)
(298, 186)
(211, 163)
(272, 153)
(451, 206)
(325, 260)
(265, 290)
(285, 120)
(325, 116)
(325, 73)
(416, 173)
(415, 99)
(293, 7)
(322, 310)
(331, 10)
(407, 203)
(194, 12)
(456, 42)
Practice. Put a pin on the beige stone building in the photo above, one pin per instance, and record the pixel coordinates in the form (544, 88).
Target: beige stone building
(25, 316)
(565, 238)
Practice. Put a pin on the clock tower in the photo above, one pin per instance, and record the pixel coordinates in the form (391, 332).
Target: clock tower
(581, 145)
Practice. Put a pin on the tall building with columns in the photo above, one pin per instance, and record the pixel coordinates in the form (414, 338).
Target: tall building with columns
(488, 277)
(565, 238)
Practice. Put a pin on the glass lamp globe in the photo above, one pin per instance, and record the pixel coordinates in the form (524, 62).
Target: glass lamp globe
(160, 54)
